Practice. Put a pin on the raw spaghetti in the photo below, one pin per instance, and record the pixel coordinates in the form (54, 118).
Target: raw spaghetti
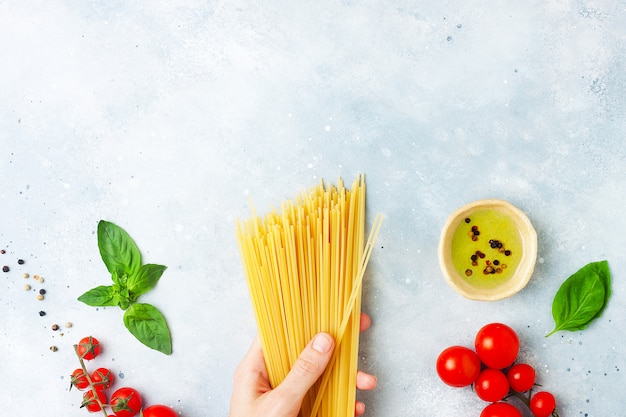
(304, 267)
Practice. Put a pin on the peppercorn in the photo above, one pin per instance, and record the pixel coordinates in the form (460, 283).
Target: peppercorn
(54, 348)
(42, 291)
(55, 327)
(20, 261)
(496, 262)
(5, 268)
(40, 297)
(468, 272)
(42, 313)
(467, 220)
(507, 252)
(2, 251)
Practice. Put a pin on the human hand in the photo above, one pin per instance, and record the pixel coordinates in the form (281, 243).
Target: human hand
(253, 396)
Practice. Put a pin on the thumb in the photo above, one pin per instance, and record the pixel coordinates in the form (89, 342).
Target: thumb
(307, 369)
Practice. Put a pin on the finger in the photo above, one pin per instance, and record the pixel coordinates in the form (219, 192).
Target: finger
(365, 322)
(306, 370)
(359, 408)
(365, 381)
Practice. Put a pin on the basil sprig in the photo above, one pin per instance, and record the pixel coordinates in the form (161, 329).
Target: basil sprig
(582, 297)
(131, 278)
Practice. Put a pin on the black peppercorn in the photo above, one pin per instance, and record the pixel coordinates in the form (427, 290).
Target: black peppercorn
(5, 268)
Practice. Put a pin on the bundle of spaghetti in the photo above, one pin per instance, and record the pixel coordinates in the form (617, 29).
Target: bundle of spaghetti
(304, 267)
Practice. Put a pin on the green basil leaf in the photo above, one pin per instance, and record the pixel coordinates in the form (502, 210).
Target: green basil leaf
(147, 324)
(101, 296)
(582, 297)
(117, 249)
(145, 279)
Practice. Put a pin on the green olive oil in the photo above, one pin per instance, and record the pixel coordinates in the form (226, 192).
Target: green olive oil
(486, 248)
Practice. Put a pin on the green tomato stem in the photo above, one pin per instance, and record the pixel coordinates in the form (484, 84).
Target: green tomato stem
(526, 399)
(91, 384)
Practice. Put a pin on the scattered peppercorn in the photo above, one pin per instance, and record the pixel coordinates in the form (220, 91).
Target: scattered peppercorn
(68, 324)
(468, 272)
(54, 348)
(42, 313)
(42, 291)
(40, 297)
(467, 220)
(27, 287)
(507, 252)
(26, 275)
(5, 268)
(55, 327)
(2, 251)
(20, 261)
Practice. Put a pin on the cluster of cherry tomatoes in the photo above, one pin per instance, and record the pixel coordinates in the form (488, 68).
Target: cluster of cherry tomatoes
(124, 402)
(491, 368)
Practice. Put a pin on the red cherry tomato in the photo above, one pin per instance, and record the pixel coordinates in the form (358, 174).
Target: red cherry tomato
(102, 378)
(458, 366)
(88, 348)
(90, 402)
(500, 410)
(159, 411)
(542, 404)
(497, 345)
(126, 402)
(79, 380)
(521, 377)
(491, 385)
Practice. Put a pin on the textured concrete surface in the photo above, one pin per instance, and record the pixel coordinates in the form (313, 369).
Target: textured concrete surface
(168, 118)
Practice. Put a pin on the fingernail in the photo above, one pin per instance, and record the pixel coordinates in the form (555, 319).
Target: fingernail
(322, 342)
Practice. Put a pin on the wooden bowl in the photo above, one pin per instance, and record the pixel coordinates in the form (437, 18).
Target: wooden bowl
(488, 250)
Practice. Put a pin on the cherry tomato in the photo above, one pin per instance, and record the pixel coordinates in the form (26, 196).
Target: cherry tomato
(542, 404)
(497, 345)
(126, 402)
(500, 410)
(102, 378)
(88, 348)
(491, 385)
(79, 380)
(90, 402)
(521, 377)
(159, 411)
(458, 366)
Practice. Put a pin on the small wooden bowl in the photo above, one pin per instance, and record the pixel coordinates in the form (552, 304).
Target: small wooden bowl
(525, 266)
